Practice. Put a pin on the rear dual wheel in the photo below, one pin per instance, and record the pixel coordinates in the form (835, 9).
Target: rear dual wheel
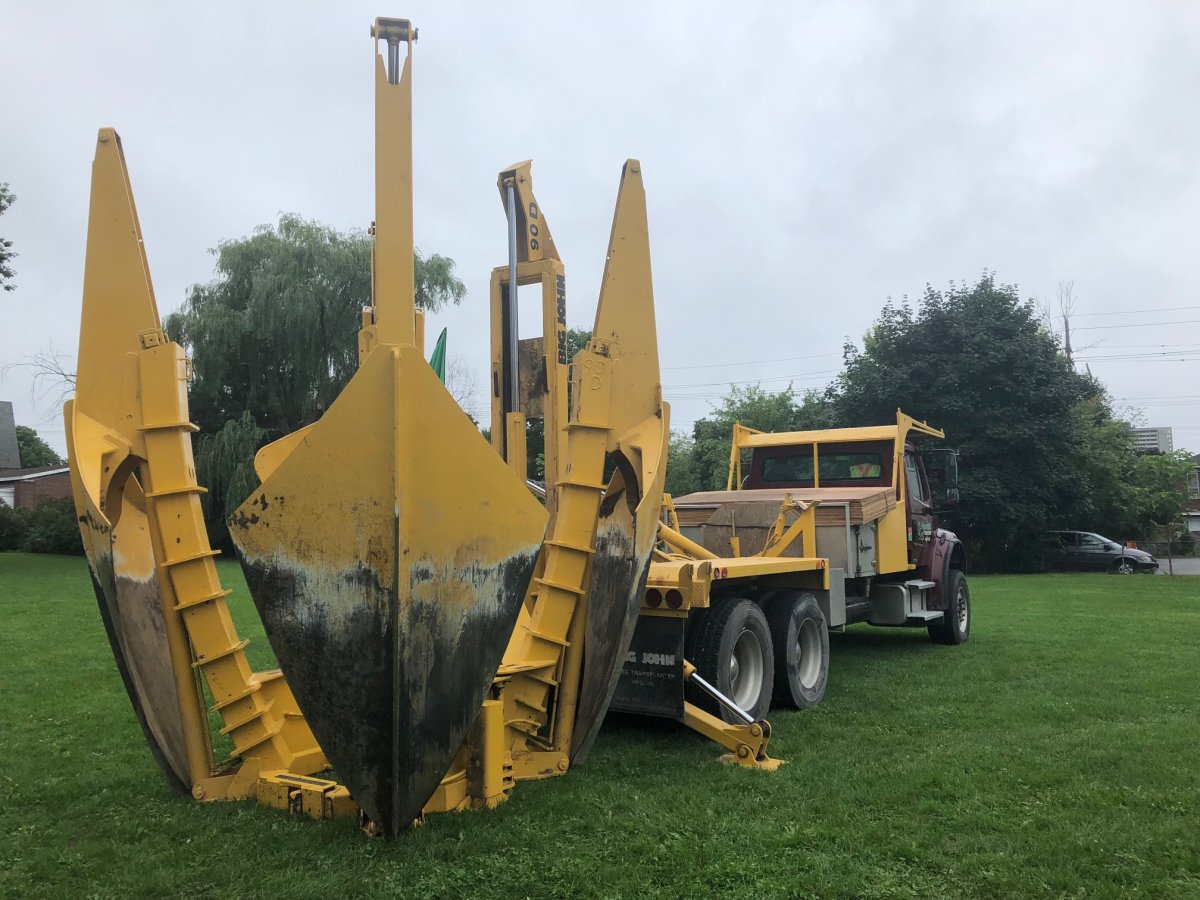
(751, 653)
(732, 652)
(801, 637)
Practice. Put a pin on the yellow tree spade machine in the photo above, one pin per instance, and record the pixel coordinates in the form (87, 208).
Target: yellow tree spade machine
(441, 632)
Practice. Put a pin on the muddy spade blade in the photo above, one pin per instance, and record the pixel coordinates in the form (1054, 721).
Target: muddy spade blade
(629, 513)
(388, 554)
(119, 307)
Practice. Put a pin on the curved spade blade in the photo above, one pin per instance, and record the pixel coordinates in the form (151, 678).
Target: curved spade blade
(101, 423)
(628, 524)
(121, 561)
(388, 555)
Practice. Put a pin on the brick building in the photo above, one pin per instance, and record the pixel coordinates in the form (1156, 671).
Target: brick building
(26, 488)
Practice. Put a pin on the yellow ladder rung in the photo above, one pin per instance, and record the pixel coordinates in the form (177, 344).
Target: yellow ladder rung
(171, 492)
(229, 701)
(208, 598)
(255, 713)
(566, 546)
(270, 733)
(228, 651)
(532, 705)
(191, 557)
(585, 485)
(159, 426)
(569, 588)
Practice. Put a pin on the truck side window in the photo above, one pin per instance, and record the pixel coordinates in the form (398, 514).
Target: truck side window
(912, 474)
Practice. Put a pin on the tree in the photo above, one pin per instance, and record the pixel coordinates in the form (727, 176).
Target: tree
(275, 334)
(1159, 489)
(34, 451)
(273, 340)
(6, 251)
(974, 361)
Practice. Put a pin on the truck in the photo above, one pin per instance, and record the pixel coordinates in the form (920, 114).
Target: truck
(815, 530)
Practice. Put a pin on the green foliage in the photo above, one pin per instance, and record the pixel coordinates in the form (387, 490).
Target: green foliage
(14, 523)
(681, 454)
(1159, 487)
(274, 338)
(6, 251)
(48, 528)
(227, 459)
(706, 461)
(34, 451)
(974, 361)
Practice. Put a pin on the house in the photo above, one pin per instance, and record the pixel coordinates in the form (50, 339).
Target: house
(26, 488)
(1192, 514)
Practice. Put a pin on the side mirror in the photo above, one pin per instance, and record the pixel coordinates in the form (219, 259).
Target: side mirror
(943, 476)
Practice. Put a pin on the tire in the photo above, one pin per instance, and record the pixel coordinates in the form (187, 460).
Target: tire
(801, 638)
(955, 625)
(732, 652)
(1124, 566)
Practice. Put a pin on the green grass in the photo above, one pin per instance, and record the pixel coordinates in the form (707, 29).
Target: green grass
(1056, 754)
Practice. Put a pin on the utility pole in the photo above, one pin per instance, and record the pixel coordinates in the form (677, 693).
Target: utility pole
(1066, 305)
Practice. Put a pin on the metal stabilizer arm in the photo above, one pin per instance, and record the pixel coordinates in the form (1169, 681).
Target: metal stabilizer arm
(746, 741)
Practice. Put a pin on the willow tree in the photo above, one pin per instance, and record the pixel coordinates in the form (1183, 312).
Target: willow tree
(273, 340)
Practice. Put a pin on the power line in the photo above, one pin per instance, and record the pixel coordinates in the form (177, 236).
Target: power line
(753, 380)
(1132, 312)
(1139, 324)
(749, 362)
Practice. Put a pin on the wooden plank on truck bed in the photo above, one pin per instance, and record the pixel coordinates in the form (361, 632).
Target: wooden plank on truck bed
(866, 504)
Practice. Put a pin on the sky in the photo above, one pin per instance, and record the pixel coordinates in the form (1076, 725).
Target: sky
(804, 163)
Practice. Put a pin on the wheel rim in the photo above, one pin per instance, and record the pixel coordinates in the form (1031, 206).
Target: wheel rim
(809, 654)
(1125, 568)
(746, 670)
(964, 610)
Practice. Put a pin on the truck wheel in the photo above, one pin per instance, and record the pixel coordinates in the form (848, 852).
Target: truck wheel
(733, 653)
(801, 638)
(955, 625)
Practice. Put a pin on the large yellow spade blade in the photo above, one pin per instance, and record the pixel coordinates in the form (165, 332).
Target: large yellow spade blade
(388, 555)
(103, 444)
(638, 436)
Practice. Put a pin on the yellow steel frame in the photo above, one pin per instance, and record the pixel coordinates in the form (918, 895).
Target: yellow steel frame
(537, 263)
(745, 438)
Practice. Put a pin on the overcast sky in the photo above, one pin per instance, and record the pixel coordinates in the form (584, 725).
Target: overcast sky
(803, 163)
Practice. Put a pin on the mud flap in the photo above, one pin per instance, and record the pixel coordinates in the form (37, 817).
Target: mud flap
(388, 554)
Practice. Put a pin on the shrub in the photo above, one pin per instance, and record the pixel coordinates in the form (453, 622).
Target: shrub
(49, 528)
(14, 523)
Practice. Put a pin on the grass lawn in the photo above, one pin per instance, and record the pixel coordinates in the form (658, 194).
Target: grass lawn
(1056, 754)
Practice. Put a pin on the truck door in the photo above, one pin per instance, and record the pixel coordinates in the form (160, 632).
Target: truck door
(920, 519)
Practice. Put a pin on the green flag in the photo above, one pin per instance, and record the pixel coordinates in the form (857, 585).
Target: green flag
(438, 360)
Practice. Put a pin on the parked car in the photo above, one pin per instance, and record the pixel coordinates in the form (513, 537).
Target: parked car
(1084, 551)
